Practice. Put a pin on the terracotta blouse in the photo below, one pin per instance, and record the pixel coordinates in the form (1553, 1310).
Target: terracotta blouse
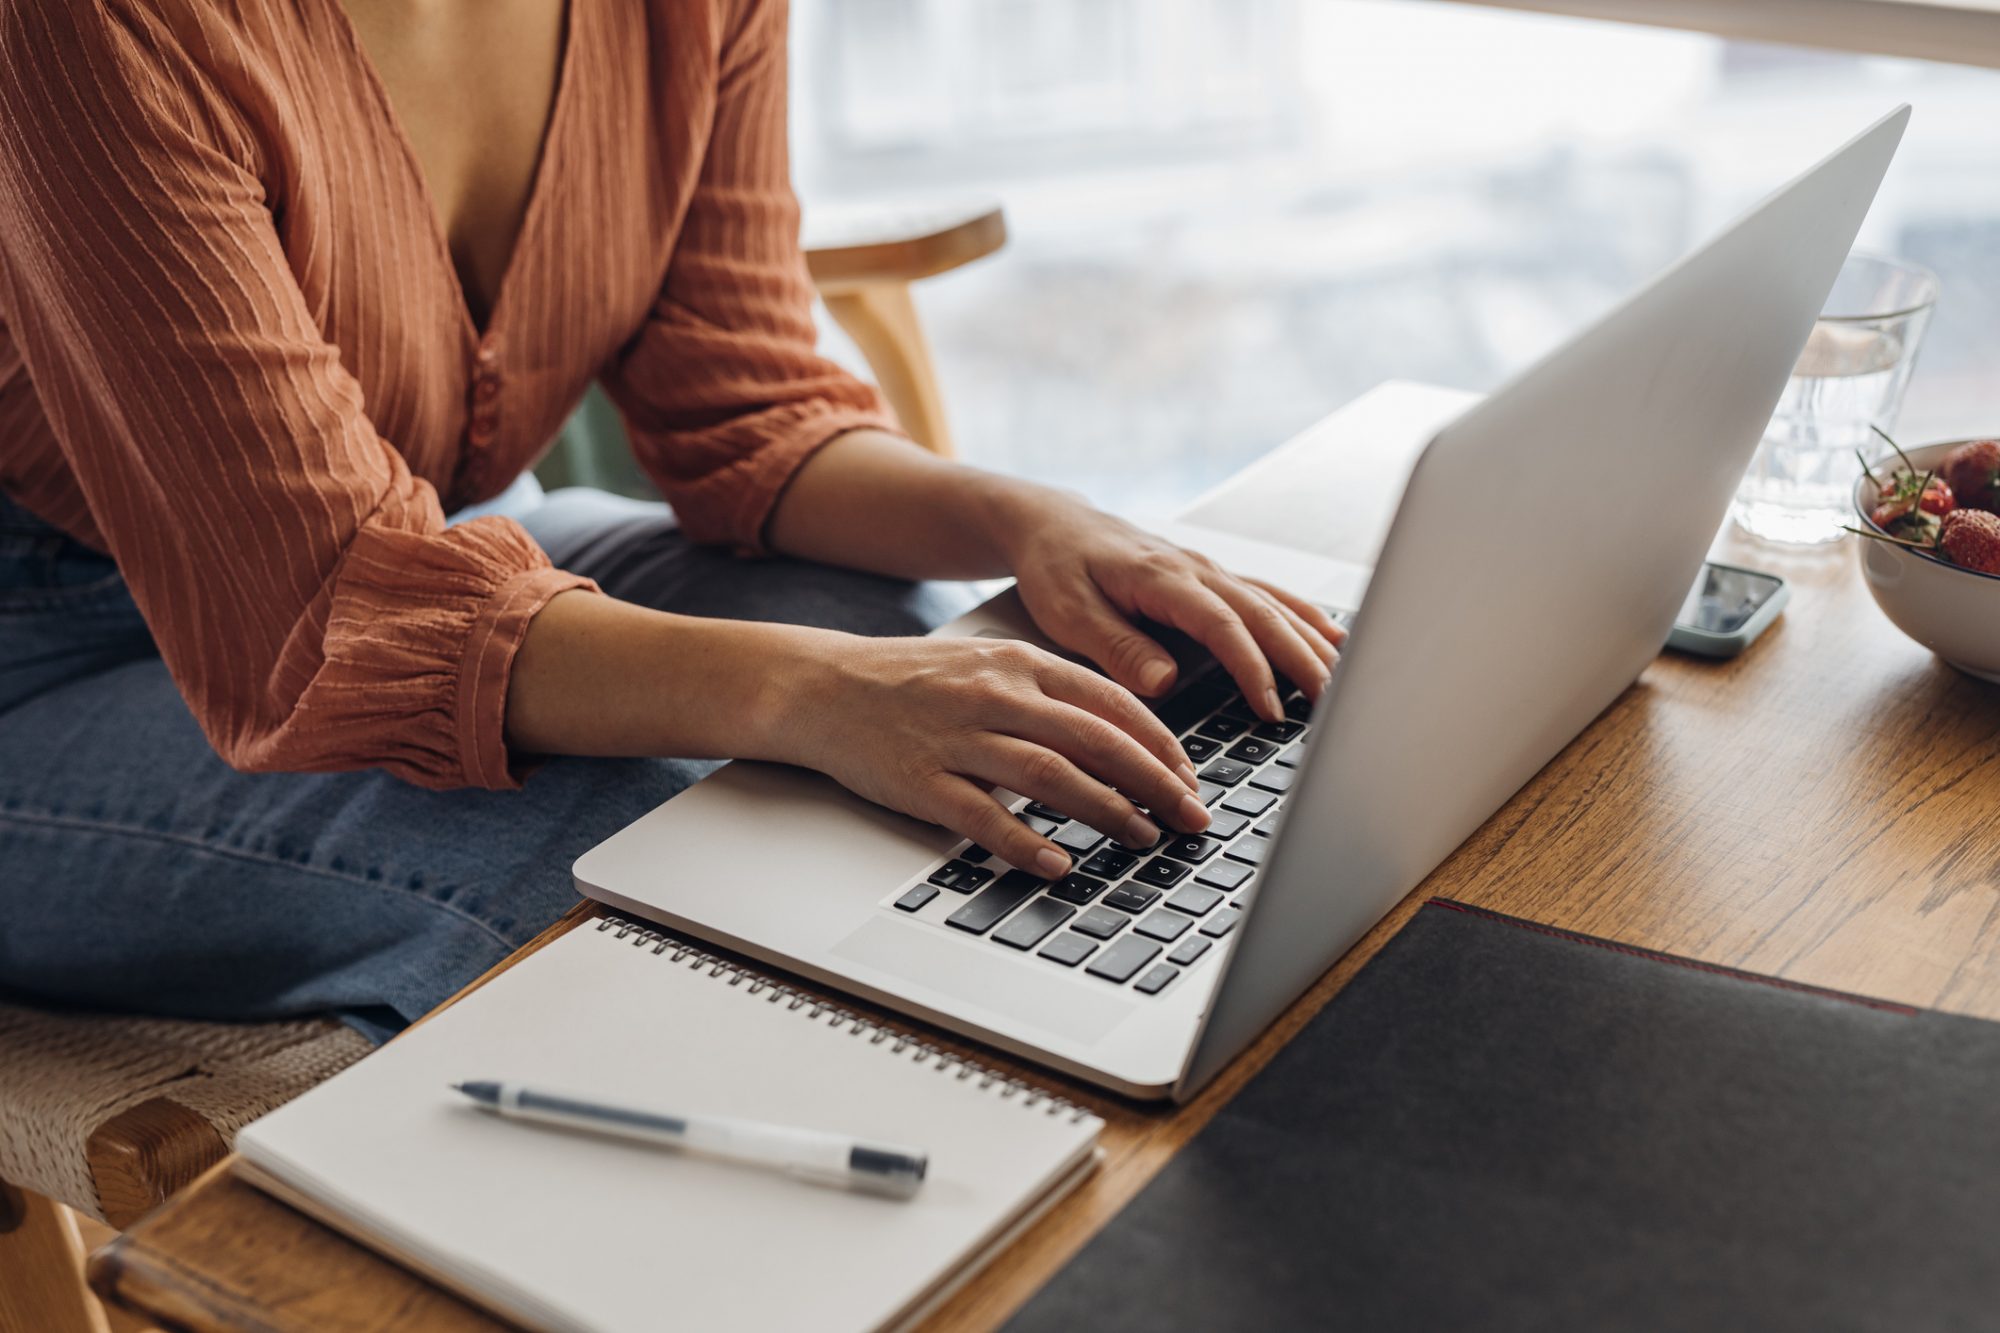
(235, 355)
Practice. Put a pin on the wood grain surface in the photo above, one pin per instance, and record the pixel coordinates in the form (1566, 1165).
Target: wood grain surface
(1818, 809)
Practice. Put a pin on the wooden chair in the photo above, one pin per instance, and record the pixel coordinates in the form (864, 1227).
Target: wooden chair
(102, 1118)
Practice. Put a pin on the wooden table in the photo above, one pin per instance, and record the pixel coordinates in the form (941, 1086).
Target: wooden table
(1820, 809)
(1963, 32)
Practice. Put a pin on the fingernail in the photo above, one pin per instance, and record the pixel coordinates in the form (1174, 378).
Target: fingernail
(1277, 710)
(1051, 863)
(1140, 832)
(1155, 675)
(1193, 813)
(1187, 777)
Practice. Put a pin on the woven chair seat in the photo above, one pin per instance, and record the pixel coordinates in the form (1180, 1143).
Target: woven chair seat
(111, 1114)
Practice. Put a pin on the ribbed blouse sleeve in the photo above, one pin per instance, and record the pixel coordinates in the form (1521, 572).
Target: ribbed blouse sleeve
(302, 586)
(722, 393)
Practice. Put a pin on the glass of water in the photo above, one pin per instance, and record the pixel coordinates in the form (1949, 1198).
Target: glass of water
(1852, 374)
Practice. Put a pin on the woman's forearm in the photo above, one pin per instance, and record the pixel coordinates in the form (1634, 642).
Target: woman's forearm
(597, 676)
(874, 501)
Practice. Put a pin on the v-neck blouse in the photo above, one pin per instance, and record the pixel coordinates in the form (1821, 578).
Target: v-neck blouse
(234, 352)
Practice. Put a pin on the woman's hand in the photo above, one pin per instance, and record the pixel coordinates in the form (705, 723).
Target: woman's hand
(1085, 576)
(927, 726)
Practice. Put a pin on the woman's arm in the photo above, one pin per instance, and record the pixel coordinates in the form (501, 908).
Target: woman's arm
(881, 503)
(926, 726)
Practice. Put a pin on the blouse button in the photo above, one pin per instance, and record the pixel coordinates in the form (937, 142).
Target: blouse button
(486, 389)
(482, 431)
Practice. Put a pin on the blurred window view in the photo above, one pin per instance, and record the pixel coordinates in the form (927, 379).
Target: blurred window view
(1228, 217)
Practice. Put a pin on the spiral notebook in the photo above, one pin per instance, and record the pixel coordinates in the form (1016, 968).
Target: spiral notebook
(557, 1230)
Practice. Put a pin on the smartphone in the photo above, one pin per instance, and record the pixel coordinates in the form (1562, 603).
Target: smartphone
(1726, 610)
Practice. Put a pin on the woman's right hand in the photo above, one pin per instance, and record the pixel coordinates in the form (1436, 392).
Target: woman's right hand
(928, 726)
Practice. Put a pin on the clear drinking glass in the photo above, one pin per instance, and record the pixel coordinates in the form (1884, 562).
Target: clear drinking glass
(1851, 375)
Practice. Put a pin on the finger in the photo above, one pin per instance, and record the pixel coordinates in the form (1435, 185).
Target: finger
(1268, 625)
(972, 812)
(1193, 608)
(1091, 692)
(1328, 655)
(1329, 629)
(1110, 759)
(1043, 775)
(1088, 624)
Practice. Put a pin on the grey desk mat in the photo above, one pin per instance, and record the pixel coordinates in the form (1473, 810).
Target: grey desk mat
(1501, 1126)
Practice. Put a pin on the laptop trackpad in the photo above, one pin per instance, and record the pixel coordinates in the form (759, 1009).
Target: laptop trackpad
(1053, 1003)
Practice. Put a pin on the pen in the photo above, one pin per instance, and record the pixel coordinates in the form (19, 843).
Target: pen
(810, 1154)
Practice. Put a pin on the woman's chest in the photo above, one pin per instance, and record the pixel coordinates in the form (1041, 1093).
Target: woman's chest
(476, 266)
(472, 84)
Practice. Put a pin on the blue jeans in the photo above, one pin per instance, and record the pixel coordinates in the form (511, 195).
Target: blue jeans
(139, 872)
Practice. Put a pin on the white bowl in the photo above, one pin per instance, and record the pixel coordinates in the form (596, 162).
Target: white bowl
(1952, 611)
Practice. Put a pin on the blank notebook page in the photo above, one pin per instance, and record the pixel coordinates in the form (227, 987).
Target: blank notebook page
(567, 1230)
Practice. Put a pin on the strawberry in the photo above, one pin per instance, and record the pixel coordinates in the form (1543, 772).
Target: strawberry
(1970, 538)
(1973, 473)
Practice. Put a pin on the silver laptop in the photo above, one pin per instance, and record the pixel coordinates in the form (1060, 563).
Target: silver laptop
(1543, 543)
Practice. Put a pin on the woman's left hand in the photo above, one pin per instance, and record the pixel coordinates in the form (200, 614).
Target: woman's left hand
(1086, 576)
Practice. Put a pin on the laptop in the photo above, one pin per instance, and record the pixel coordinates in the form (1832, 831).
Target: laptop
(1544, 541)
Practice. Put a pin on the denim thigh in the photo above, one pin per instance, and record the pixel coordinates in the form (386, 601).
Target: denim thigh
(140, 872)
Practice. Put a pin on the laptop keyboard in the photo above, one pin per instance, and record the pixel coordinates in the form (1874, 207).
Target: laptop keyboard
(1136, 919)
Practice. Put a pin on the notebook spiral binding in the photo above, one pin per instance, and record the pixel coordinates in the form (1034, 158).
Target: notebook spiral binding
(858, 1025)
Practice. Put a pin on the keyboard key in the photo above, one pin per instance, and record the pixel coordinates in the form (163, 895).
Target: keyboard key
(1156, 980)
(1225, 825)
(1224, 874)
(1164, 925)
(1101, 922)
(1192, 848)
(1208, 793)
(1250, 850)
(1297, 706)
(1222, 922)
(1252, 803)
(1226, 772)
(1037, 825)
(1130, 898)
(1189, 949)
(1109, 863)
(1267, 829)
(1288, 730)
(972, 852)
(1292, 755)
(960, 876)
(1250, 750)
(1194, 899)
(1032, 924)
(1078, 838)
(1124, 958)
(1160, 873)
(1078, 889)
(1070, 948)
(1276, 779)
(1223, 727)
(1040, 811)
(1199, 747)
(978, 916)
(916, 897)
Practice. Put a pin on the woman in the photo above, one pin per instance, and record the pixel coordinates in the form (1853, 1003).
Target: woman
(285, 282)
